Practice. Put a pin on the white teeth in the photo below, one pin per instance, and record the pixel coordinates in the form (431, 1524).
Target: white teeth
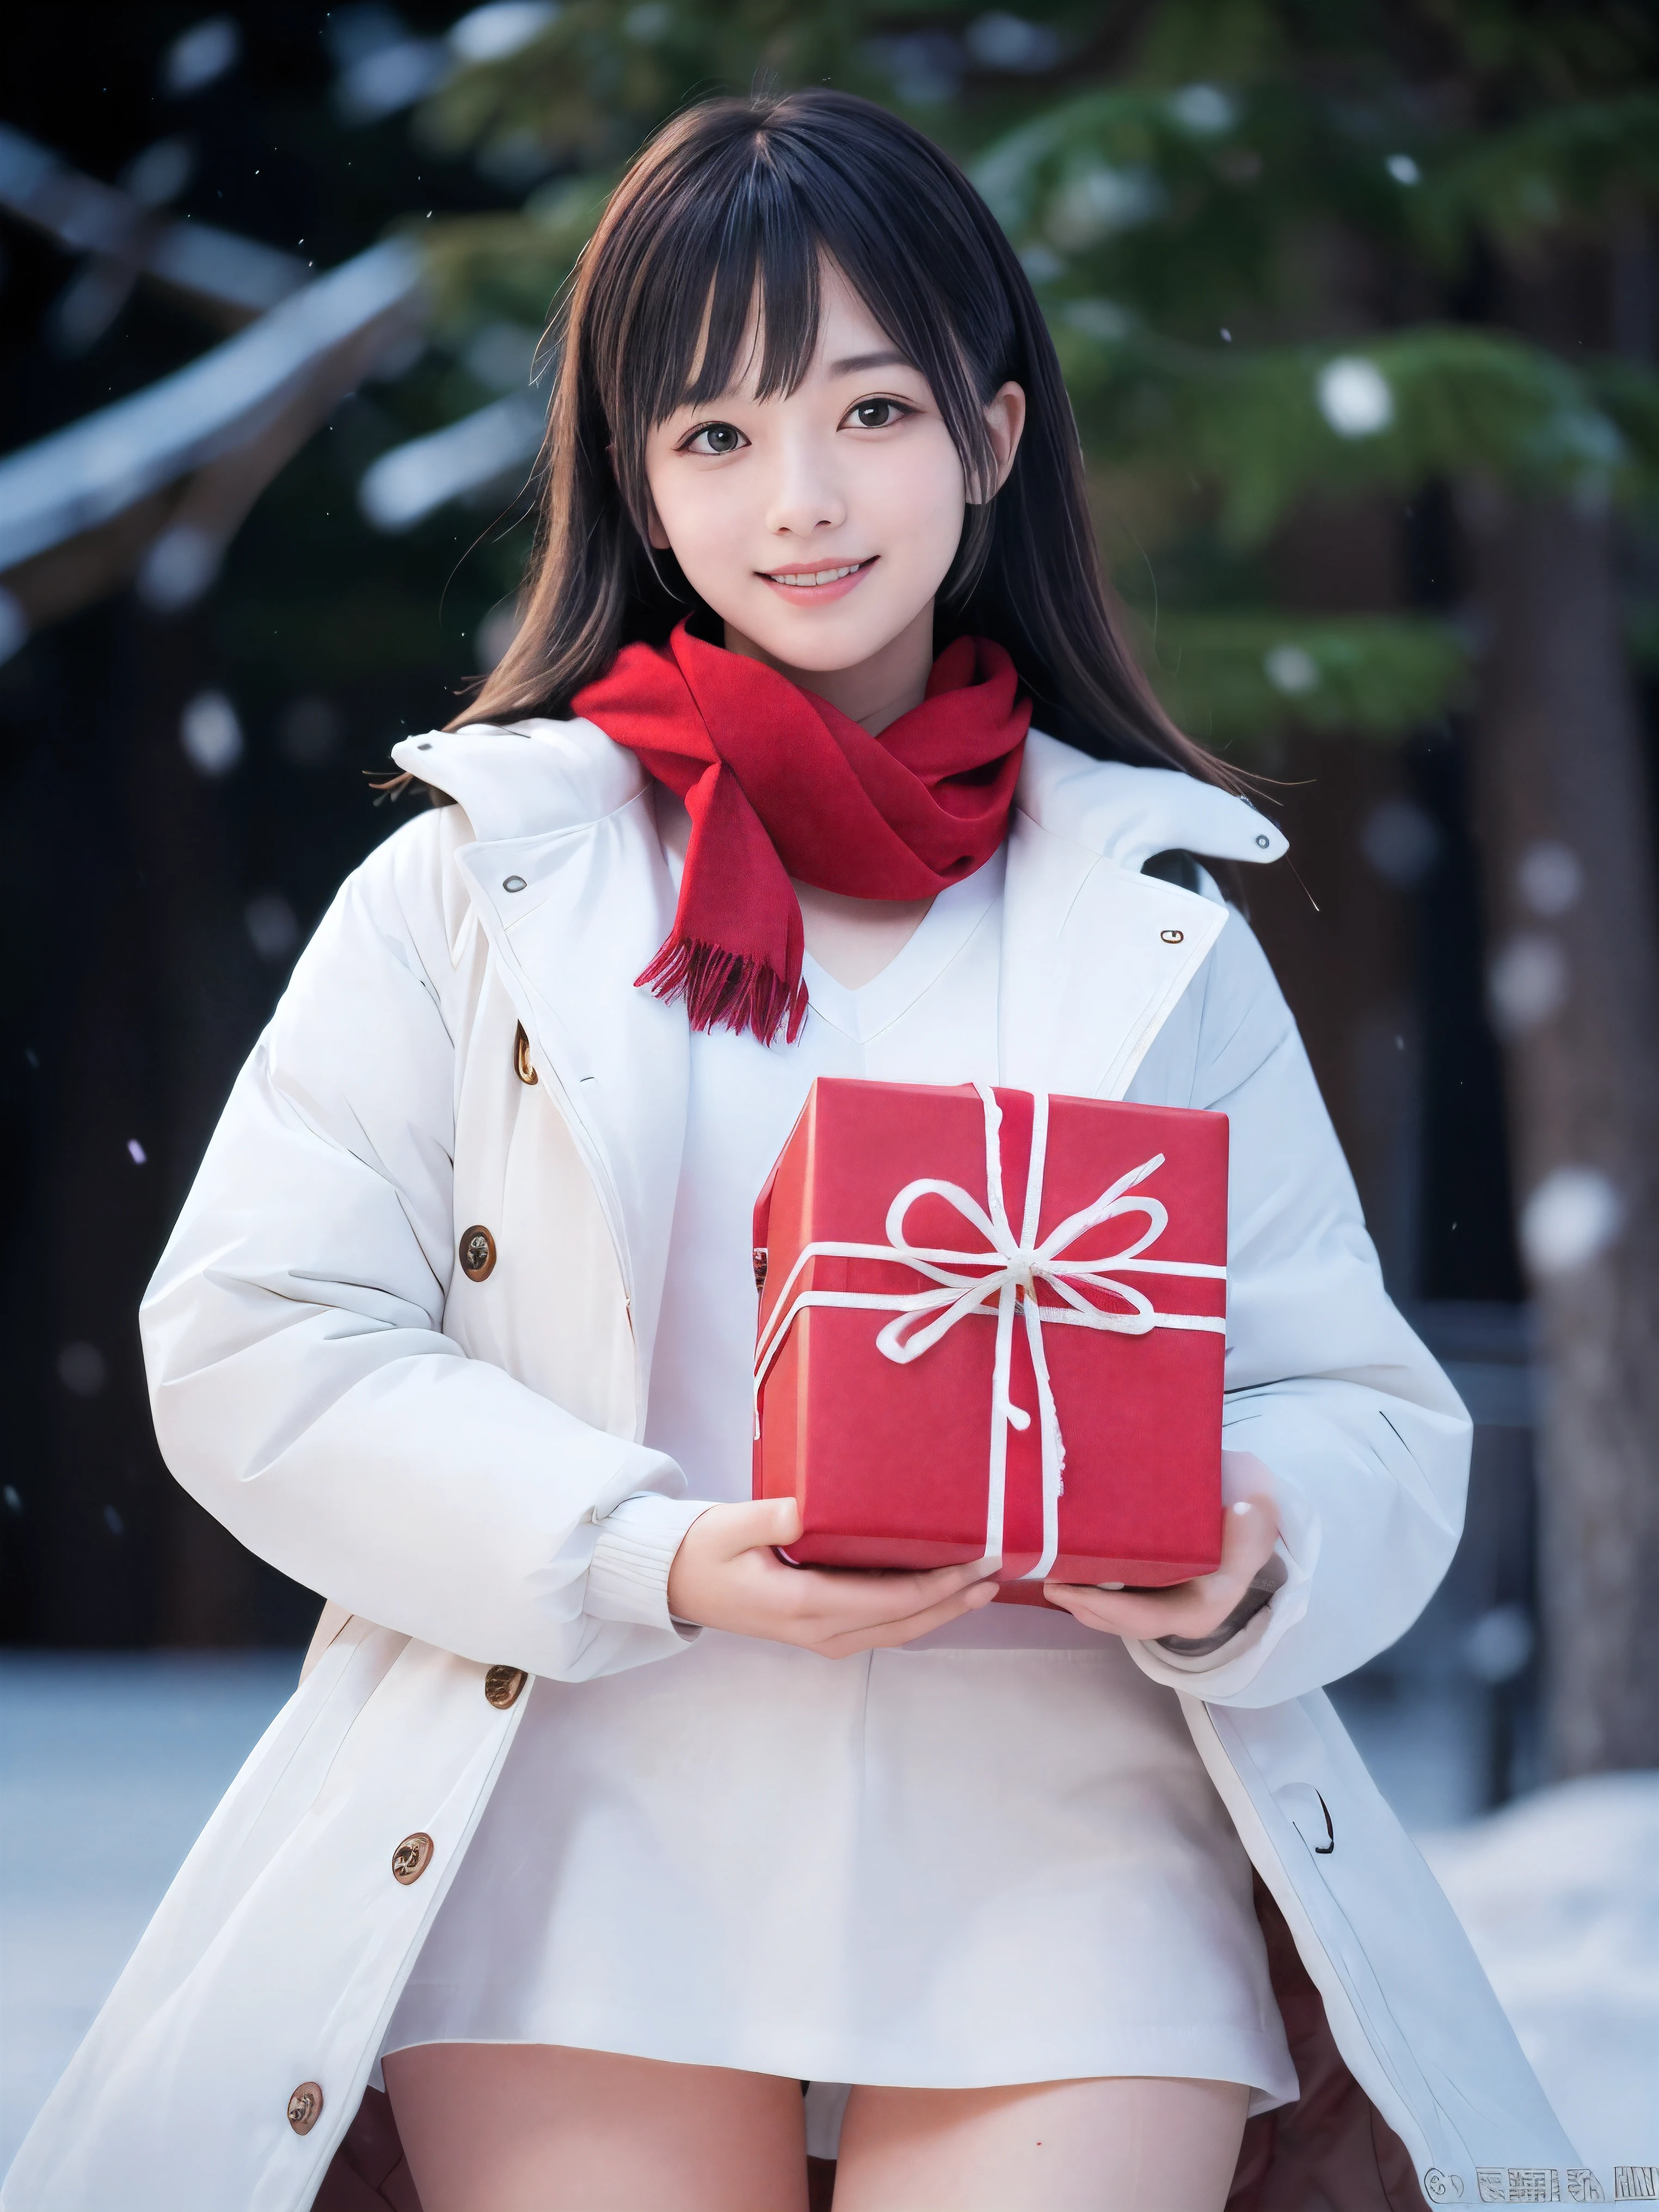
(822, 576)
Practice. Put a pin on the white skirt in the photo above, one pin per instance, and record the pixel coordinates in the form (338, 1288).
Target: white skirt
(935, 1869)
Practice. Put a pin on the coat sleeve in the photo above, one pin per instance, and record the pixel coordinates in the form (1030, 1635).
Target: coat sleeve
(1327, 1385)
(302, 1386)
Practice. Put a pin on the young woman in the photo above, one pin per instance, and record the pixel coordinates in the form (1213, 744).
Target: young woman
(595, 1831)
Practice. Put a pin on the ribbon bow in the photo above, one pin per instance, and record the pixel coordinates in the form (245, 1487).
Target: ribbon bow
(995, 1282)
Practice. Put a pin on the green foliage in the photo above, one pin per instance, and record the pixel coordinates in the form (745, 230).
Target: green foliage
(1548, 51)
(1267, 427)
(1232, 679)
(605, 72)
(1595, 160)
(1188, 204)
(1195, 201)
(487, 266)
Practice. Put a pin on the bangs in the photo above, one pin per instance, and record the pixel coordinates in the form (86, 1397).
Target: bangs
(713, 275)
(762, 280)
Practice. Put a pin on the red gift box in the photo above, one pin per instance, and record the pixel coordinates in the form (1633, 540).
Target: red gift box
(994, 1323)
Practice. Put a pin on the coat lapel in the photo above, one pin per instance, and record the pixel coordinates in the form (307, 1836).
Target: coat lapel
(1093, 960)
(573, 909)
(1095, 955)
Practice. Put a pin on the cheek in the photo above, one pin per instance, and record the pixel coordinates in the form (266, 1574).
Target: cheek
(913, 490)
(703, 517)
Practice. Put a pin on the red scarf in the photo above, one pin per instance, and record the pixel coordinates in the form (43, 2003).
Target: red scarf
(779, 783)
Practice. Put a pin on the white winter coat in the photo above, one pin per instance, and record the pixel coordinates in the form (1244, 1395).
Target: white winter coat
(440, 1455)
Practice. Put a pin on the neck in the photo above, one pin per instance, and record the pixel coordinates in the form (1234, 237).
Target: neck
(872, 693)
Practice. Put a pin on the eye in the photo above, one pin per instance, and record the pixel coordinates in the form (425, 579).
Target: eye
(877, 414)
(716, 437)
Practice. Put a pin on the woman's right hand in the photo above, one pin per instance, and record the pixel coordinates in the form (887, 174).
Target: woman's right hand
(728, 1575)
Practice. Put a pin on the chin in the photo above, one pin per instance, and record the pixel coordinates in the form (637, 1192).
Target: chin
(821, 655)
(816, 640)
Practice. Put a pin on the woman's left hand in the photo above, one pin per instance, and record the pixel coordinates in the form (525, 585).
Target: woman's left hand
(1249, 1529)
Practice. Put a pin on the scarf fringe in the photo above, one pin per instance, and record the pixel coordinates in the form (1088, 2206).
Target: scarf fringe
(726, 990)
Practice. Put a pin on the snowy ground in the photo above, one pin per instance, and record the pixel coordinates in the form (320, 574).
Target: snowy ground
(109, 1768)
(111, 1765)
(1560, 1892)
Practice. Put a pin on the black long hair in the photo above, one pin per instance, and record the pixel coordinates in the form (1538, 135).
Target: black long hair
(739, 198)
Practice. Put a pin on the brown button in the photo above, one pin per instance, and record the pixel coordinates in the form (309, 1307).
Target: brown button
(305, 2107)
(503, 1685)
(478, 1252)
(412, 1858)
(521, 1061)
(760, 1268)
(1173, 936)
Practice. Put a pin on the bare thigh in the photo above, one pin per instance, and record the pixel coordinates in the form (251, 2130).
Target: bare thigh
(1137, 2145)
(492, 2127)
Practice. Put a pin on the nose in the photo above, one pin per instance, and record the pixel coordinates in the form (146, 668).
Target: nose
(804, 495)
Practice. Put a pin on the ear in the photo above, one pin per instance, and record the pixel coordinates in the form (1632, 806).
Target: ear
(1004, 420)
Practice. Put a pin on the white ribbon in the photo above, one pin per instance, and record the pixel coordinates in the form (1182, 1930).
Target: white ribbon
(1006, 1274)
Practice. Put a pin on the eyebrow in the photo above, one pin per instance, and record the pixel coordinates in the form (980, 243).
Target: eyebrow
(856, 363)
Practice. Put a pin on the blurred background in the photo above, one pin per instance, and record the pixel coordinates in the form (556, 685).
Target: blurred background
(1359, 308)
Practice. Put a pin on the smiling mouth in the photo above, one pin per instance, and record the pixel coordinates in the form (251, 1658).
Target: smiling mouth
(812, 580)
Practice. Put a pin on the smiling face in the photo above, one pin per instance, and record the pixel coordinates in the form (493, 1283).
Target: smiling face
(819, 524)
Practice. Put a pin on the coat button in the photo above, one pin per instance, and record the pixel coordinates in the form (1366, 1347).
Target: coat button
(412, 1858)
(478, 1252)
(1173, 936)
(521, 1061)
(503, 1685)
(305, 2107)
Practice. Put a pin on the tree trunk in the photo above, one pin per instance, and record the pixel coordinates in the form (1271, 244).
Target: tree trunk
(1562, 814)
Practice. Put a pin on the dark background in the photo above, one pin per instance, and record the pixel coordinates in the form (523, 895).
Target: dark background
(132, 988)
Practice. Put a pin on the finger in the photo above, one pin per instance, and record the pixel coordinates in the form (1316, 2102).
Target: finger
(761, 1525)
(1249, 1530)
(887, 1635)
(1103, 1610)
(1243, 1475)
(845, 1603)
(1182, 1611)
(1079, 1601)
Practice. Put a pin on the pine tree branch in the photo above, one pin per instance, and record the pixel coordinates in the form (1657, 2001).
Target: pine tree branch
(1591, 161)
(1269, 427)
(1240, 679)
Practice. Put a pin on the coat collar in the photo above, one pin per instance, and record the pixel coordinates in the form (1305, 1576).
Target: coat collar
(537, 776)
(524, 779)
(568, 878)
(1095, 955)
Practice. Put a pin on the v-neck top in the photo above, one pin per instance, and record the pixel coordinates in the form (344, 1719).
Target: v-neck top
(930, 1016)
(951, 928)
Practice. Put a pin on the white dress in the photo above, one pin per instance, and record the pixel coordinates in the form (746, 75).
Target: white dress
(993, 1857)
